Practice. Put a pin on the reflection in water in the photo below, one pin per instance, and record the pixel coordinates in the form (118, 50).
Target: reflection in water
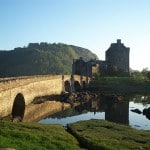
(116, 111)
(111, 108)
(145, 100)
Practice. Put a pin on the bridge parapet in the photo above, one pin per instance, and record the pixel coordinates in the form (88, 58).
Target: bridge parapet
(13, 82)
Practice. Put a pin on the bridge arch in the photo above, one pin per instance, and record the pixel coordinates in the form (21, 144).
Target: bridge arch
(18, 108)
(67, 86)
(77, 86)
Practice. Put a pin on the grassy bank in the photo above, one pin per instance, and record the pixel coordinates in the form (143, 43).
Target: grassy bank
(120, 85)
(98, 134)
(34, 136)
(92, 134)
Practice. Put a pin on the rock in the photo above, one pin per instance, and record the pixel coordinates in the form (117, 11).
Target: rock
(76, 97)
(136, 111)
(146, 112)
(16, 119)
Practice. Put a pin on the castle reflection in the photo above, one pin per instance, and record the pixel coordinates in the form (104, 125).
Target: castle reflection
(118, 112)
(116, 109)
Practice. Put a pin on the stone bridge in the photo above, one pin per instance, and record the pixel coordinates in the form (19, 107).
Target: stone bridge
(17, 92)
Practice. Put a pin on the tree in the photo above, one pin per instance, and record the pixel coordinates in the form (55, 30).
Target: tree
(148, 75)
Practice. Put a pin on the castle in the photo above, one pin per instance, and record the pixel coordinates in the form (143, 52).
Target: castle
(116, 63)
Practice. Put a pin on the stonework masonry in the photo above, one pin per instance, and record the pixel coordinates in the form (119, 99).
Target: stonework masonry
(27, 88)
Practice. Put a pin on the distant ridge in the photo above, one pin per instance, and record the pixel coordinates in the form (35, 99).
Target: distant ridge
(41, 58)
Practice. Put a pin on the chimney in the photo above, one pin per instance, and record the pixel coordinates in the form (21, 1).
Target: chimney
(118, 41)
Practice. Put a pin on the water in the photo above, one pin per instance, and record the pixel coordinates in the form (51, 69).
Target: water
(138, 121)
(107, 108)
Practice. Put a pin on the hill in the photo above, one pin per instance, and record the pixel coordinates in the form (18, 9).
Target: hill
(41, 58)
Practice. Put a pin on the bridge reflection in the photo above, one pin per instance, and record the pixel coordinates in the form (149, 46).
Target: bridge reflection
(115, 110)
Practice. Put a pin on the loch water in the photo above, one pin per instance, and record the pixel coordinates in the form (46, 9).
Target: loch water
(125, 110)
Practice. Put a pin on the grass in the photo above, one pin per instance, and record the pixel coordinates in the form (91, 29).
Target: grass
(104, 135)
(92, 134)
(34, 136)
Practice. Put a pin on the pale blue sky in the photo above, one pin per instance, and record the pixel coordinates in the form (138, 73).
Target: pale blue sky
(92, 24)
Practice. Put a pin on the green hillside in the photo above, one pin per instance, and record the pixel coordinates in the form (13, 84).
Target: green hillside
(43, 58)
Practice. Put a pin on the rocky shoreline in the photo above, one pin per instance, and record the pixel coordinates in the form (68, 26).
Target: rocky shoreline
(78, 97)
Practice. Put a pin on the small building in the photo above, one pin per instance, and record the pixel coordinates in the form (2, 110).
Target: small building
(80, 67)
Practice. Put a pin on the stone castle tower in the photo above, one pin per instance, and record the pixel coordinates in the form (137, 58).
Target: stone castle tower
(117, 59)
(116, 63)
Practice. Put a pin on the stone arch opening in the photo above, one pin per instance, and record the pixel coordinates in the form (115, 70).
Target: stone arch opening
(77, 86)
(18, 108)
(67, 86)
(84, 85)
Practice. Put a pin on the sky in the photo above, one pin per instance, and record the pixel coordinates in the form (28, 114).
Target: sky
(91, 24)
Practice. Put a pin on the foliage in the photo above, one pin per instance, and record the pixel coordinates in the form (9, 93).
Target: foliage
(137, 75)
(104, 135)
(43, 58)
(120, 85)
(148, 75)
(144, 74)
(23, 136)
